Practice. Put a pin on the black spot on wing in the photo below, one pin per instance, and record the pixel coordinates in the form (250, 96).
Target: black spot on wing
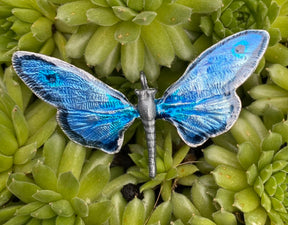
(51, 78)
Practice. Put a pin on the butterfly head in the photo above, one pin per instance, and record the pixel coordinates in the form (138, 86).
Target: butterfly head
(145, 92)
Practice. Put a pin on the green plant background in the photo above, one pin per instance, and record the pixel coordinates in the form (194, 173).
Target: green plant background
(239, 177)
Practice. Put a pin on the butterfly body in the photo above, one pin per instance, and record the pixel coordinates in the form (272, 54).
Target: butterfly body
(203, 103)
(147, 110)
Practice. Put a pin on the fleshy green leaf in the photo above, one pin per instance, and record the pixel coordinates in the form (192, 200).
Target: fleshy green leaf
(47, 196)
(80, 207)
(127, 32)
(96, 178)
(200, 6)
(134, 213)
(102, 16)
(124, 13)
(40, 171)
(144, 18)
(67, 185)
(230, 178)
(99, 211)
(246, 200)
(183, 208)
(24, 190)
(25, 153)
(45, 212)
(247, 154)
(161, 214)
(74, 13)
(173, 14)
(62, 208)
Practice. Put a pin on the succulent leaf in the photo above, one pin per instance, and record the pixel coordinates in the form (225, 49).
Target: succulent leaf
(201, 198)
(74, 13)
(20, 125)
(47, 196)
(72, 159)
(25, 154)
(173, 14)
(144, 17)
(183, 208)
(132, 50)
(22, 188)
(62, 208)
(99, 211)
(102, 16)
(98, 178)
(44, 212)
(67, 185)
(50, 182)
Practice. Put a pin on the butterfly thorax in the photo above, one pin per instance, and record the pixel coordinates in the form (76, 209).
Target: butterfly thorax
(146, 104)
(146, 100)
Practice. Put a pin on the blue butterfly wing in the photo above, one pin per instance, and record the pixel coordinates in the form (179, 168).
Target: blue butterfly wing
(203, 103)
(90, 112)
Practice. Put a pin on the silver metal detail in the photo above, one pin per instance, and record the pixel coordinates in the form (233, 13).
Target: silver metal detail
(147, 109)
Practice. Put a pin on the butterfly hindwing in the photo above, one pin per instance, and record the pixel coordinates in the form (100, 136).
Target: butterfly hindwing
(90, 112)
(203, 103)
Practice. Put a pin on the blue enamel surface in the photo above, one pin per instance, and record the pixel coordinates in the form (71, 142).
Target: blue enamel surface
(203, 102)
(89, 112)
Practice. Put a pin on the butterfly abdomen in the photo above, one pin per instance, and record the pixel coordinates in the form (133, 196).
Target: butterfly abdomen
(149, 127)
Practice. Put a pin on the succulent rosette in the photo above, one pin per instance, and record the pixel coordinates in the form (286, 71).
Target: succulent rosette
(270, 92)
(81, 188)
(72, 191)
(272, 95)
(29, 25)
(140, 35)
(281, 21)
(23, 129)
(169, 167)
(132, 35)
(251, 170)
(235, 16)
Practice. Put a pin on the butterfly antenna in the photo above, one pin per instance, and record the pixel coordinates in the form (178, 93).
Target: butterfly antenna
(143, 80)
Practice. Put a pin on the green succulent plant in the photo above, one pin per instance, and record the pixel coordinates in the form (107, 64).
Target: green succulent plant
(199, 206)
(72, 191)
(170, 168)
(252, 179)
(235, 16)
(281, 21)
(28, 25)
(272, 94)
(23, 130)
(132, 35)
(140, 35)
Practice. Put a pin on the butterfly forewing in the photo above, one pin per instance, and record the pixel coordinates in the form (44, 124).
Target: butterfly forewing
(90, 112)
(203, 102)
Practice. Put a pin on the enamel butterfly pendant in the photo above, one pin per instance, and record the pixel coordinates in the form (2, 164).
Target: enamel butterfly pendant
(203, 103)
